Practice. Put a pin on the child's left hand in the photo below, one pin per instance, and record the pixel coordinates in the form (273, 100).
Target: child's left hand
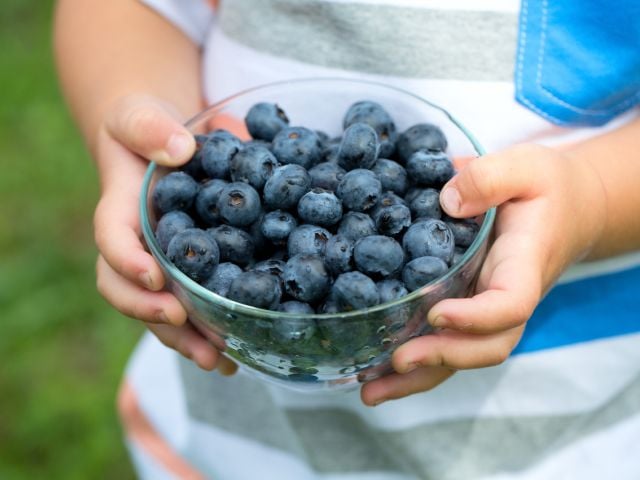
(551, 210)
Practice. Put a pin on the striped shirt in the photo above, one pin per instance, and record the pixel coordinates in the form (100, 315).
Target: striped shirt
(565, 405)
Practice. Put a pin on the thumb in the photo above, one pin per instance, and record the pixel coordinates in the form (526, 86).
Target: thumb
(493, 179)
(147, 127)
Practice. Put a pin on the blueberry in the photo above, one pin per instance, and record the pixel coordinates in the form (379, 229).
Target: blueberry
(429, 238)
(194, 253)
(170, 224)
(297, 145)
(464, 231)
(222, 277)
(392, 176)
(338, 255)
(359, 190)
(306, 278)
(239, 204)
(374, 115)
(286, 187)
(235, 244)
(355, 225)
(387, 199)
(287, 330)
(298, 308)
(424, 202)
(329, 306)
(207, 201)
(194, 166)
(265, 120)
(430, 168)
(422, 270)
(253, 165)
(320, 207)
(423, 136)
(257, 143)
(359, 147)
(307, 239)
(458, 253)
(326, 175)
(393, 220)
(174, 191)
(390, 290)
(277, 226)
(330, 153)
(217, 152)
(263, 247)
(273, 267)
(324, 138)
(354, 291)
(257, 289)
(378, 256)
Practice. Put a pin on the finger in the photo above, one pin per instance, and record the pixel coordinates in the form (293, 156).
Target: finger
(135, 301)
(455, 350)
(186, 340)
(146, 127)
(510, 291)
(226, 366)
(490, 180)
(398, 386)
(460, 162)
(116, 229)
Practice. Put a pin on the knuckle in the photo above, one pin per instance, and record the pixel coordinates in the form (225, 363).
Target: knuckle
(521, 313)
(500, 356)
(482, 179)
(140, 120)
(496, 356)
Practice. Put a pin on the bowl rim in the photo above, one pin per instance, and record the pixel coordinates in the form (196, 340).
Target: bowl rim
(202, 292)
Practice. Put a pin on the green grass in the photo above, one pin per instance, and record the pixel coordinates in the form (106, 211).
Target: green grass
(62, 347)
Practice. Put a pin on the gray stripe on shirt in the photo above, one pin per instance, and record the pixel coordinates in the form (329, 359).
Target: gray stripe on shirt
(378, 39)
(333, 440)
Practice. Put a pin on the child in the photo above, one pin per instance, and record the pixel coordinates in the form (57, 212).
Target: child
(562, 397)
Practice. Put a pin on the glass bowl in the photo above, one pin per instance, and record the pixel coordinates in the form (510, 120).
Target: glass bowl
(334, 351)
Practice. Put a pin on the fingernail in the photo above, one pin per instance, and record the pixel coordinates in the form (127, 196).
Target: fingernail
(145, 278)
(439, 322)
(450, 199)
(179, 145)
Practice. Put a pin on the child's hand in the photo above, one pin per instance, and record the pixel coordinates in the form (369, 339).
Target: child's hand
(551, 211)
(136, 129)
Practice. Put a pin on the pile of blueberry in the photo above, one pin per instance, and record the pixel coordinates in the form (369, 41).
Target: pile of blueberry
(298, 222)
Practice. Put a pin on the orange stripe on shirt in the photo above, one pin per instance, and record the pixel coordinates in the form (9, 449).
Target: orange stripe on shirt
(138, 429)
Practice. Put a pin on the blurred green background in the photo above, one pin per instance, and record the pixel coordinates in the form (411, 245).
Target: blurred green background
(62, 349)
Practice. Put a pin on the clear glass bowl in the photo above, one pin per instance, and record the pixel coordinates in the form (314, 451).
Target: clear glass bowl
(347, 348)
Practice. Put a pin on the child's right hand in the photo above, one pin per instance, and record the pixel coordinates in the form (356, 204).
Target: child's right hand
(137, 129)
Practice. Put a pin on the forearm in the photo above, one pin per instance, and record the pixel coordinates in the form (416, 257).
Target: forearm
(615, 156)
(106, 50)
